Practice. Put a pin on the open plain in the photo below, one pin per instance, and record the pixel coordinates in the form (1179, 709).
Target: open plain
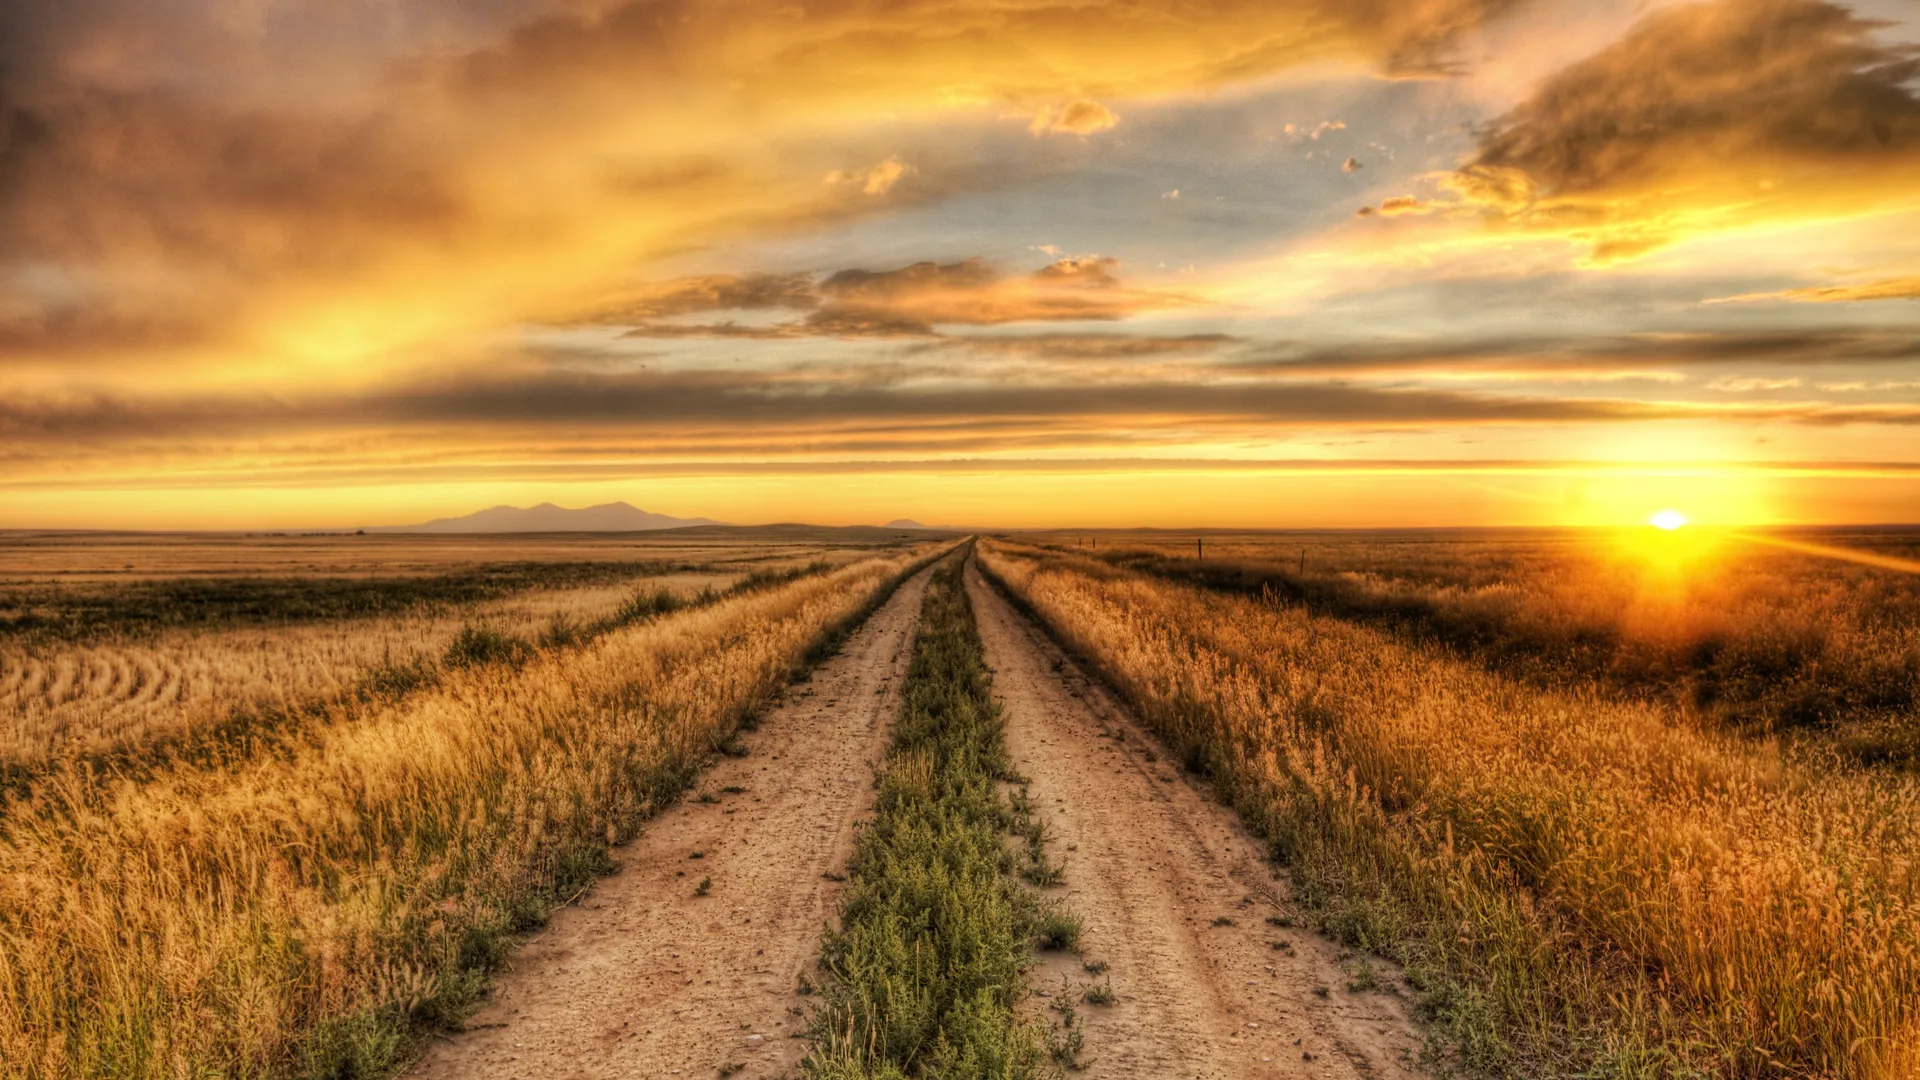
(894, 803)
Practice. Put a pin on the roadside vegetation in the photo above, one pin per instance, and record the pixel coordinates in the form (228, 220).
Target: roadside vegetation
(306, 912)
(1740, 633)
(1577, 884)
(930, 962)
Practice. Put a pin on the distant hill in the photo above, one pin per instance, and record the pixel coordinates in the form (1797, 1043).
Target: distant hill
(903, 523)
(607, 517)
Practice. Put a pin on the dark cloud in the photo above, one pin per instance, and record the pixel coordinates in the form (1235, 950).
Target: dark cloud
(910, 301)
(908, 282)
(713, 292)
(1089, 346)
(667, 406)
(1600, 354)
(1750, 108)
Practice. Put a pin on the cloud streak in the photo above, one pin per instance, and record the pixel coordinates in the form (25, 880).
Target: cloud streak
(909, 301)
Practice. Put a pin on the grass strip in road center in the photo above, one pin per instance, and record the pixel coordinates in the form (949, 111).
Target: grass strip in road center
(937, 934)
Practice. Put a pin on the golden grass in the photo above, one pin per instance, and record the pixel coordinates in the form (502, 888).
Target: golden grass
(59, 698)
(299, 914)
(1578, 883)
(1729, 625)
(116, 558)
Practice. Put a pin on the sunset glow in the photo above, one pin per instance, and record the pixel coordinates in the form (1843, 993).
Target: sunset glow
(1668, 520)
(1295, 263)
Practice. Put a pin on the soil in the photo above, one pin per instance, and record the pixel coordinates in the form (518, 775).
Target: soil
(647, 977)
(1211, 975)
(1175, 896)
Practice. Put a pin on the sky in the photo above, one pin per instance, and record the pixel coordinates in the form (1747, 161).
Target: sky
(325, 263)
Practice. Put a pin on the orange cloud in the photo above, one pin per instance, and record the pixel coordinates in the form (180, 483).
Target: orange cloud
(908, 301)
(1887, 289)
(877, 180)
(211, 190)
(1075, 118)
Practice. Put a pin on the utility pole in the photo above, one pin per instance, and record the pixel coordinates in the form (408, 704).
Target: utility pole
(1303, 560)
(1199, 549)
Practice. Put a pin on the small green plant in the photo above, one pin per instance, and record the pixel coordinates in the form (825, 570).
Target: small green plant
(706, 797)
(1364, 978)
(734, 789)
(705, 887)
(697, 855)
(730, 1068)
(1100, 993)
(1094, 967)
(1066, 1042)
(1058, 928)
(1223, 920)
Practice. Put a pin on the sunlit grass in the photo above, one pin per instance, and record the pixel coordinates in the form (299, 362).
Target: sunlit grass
(1579, 885)
(301, 913)
(936, 934)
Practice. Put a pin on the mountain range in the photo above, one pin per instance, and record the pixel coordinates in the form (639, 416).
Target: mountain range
(607, 517)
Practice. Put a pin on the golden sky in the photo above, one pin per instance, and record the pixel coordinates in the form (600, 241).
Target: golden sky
(318, 263)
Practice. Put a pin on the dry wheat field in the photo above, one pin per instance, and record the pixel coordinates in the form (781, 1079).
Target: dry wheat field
(269, 798)
(1621, 803)
(1412, 804)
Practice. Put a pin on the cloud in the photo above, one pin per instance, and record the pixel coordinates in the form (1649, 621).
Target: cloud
(1074, 118)
(303, 191)
(1591, 356)
(636, 417)
(1302, 131)
(1907, 288)
(1171, 195)
(1351, 165)
(1080, 347)
(908, 301)
(1706, 116)
(1398, 205)
(877, 180)
(712, 292)
(1749, 385)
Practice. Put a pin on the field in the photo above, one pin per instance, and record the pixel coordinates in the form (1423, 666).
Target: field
(1401, 804)
(286, 894)
(1612, 802)
(111, 641)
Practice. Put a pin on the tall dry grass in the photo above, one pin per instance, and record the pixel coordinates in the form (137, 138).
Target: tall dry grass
(1742, 632)
(61, 698)
(300, 914)
(1581, 886)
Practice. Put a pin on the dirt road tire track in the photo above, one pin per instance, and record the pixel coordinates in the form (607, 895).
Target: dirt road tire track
(1152, 861)
(645, 978)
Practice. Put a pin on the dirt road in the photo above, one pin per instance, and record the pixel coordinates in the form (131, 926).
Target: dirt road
(645, 977)
(1175, 895)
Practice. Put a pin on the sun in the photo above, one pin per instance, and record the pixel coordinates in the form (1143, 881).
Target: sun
(1668, 520)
